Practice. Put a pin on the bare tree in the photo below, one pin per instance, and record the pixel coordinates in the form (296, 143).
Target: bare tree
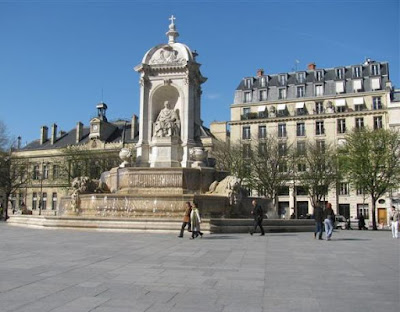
(13, 171)
(76, 161)
(371, 160)
(316, 169)
(4, 138)
(269, 161)
(233, 158)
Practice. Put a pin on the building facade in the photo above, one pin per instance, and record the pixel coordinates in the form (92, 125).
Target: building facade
(53, 159)
(317, 105)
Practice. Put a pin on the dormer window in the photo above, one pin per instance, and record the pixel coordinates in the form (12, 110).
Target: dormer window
(282, 79)
(374, 69)
(247, 97)
(339, 73)
(301, 77)
(357, 85)
(319, 75)
(357, 72)
(339, 86)
(263, 95)
(375, 83)
(319, 90)
(282, 94)
(301, 91)
(248, 83)
(263, 82)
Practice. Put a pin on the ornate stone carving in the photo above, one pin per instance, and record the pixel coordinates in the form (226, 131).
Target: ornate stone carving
(167, 123)
(198, 155)
(144, 82)
(272, 111)
(125, 155)
(167, 55)
(329, 108)
(230, 187)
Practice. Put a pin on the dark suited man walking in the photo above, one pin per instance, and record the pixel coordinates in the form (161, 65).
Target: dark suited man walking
(258, 214)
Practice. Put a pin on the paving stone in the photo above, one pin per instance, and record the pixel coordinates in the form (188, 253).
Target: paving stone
(71, 270)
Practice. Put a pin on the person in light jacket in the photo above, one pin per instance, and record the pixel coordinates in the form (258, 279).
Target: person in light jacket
(195, 220)
(395, 218)
(329, 218)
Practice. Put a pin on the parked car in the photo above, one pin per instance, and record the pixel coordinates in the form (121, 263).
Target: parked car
(340, 222)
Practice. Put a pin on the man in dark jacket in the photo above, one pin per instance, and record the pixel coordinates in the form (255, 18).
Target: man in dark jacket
(361, 222)
(318, 216)
(258, 214)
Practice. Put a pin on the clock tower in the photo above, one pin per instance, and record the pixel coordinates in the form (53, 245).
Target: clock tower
(100, 128)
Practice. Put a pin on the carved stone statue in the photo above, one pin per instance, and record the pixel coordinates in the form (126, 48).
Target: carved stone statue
(230, 187)
(272, 111)
(167, 123)
(81, 185)
(329, 108)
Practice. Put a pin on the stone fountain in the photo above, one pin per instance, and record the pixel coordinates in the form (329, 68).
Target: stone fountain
(171, 163)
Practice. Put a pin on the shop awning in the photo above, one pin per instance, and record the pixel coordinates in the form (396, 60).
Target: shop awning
(340, 102)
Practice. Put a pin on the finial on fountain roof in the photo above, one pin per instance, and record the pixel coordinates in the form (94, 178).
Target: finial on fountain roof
(172, 33)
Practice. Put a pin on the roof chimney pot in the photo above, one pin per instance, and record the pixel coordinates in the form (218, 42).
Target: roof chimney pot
(311, 66)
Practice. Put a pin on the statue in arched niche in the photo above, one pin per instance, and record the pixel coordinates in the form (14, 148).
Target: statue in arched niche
(167, 123)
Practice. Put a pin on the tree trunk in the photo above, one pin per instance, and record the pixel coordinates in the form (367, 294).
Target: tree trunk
(5, 212)
(276, 204)
(374, 227)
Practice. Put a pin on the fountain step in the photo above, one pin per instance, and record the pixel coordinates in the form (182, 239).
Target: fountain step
(157, 225)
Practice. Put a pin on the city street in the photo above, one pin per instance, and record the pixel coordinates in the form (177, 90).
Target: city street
(71, 271)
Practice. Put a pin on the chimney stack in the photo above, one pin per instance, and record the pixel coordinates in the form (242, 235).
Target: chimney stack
(43, 134)
(79, 132)
(312, 66)
(260, 72)
(134, 127)
(53, 134)
(19, 142)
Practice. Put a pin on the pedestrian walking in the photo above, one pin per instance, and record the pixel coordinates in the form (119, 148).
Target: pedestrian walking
(348, 224)
(361, 222)
(258, 214)
(186, 219)
(318, 217)
(394, 219)
(329, 217)
(195, 221)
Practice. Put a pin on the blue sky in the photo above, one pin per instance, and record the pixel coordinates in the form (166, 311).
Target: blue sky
(56, 57)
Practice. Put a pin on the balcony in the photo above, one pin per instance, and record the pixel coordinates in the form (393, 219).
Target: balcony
(301, 112)
(249, 116)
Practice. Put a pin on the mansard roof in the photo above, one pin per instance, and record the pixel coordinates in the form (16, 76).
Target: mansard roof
(122, 133)
(272, 80)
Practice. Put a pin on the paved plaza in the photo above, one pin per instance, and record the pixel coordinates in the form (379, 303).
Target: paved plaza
(71, 271)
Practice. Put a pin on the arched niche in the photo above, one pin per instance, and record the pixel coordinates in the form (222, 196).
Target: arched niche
(162, 94)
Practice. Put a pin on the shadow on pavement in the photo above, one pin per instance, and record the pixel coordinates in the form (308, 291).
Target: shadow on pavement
(351, 239)
(219, 237)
